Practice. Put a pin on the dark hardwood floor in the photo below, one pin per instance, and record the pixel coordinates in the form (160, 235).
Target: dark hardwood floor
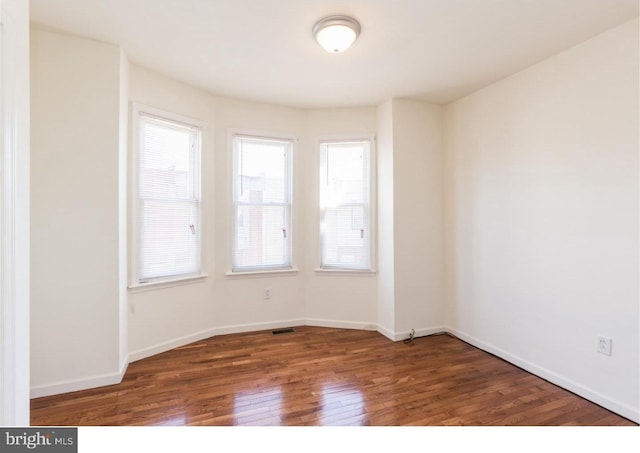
(321, 376)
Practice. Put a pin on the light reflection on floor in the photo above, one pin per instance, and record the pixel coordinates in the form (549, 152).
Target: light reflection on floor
(253, 405)
(346, 397)
(174, 420)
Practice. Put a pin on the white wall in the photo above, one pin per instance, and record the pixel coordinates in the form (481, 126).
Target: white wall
(75, 213)
(386, 251)
(411, 236)
(14, 213)
(123, 156)
(418, 216)
(542, 202)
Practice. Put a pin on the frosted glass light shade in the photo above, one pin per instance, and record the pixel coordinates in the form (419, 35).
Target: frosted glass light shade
(336, 33)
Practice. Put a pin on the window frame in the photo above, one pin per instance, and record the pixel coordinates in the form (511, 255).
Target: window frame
(266, 270)
(372, 217)
(138, 112)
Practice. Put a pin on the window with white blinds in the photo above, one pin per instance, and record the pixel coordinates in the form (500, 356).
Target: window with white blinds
(345, 200)
(261, 203)
(168, 199)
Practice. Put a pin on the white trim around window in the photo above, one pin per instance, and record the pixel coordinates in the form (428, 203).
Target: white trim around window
(347, 188)
(165, 199)
(261, 204)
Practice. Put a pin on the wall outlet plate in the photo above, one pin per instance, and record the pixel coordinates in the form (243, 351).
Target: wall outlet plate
(604, 345)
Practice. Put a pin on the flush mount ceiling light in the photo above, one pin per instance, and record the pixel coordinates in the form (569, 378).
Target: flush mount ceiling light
(336, 33)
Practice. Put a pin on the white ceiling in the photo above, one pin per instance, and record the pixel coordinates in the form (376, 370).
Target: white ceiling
(263, 50)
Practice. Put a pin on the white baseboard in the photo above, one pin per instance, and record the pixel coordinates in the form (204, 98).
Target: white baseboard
(393, 336)
(382, 330)
(561, 381)
(74, 385)
(169, 345)
(340, 324)
(423, 332)
(204, 334)
(256, 327)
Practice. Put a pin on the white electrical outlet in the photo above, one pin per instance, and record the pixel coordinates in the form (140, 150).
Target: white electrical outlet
(267, 294)
(604, 345)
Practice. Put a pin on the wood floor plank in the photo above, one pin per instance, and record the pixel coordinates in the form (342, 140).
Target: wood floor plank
(322, 376)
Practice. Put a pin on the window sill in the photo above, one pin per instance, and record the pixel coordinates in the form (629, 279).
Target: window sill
(269, 273)
(363, 272)
(162, 284)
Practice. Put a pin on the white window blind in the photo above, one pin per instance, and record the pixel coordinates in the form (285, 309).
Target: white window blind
(168, 199)
(262, 203)
(345, 188)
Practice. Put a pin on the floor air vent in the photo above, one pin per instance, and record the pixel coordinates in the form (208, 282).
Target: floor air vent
(281, 331)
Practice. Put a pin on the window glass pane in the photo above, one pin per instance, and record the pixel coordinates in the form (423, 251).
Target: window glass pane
(344, 205)
(345, 174)
(169, 244)
(346, 240)
(261, 203)
(261, 236)
(261, 171)
(168, 199)
(166, 162)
